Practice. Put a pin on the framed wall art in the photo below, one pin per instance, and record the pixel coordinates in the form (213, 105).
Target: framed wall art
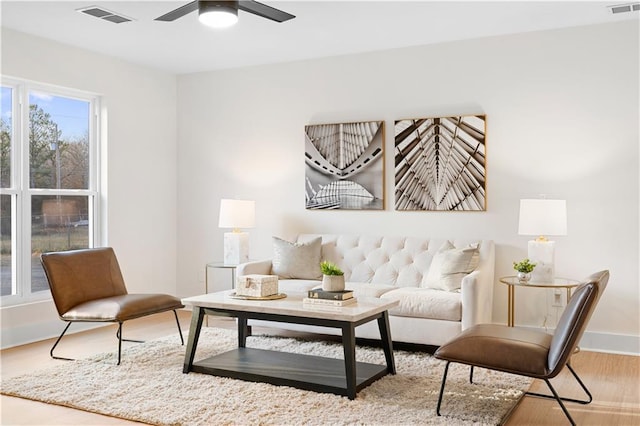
(440, 163)
(344, 166)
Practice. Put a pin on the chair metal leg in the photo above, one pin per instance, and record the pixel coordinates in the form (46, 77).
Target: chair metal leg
(560, 399)
(471, 375)
(444, 379)
(142, 341)
(579, 401)
(121, 339)
(56, 344)
(582, 385)
(179, 329)
(557, 398)
(119, 334)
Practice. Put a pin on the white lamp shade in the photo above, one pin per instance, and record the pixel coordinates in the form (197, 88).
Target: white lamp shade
(237, 214)
(543, 217)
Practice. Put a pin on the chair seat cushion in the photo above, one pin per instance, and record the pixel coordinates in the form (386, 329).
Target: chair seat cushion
(498, 347)
(122, 308)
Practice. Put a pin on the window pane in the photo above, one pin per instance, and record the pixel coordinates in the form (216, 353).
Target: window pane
(6, 127)
(57, 223)
(6, 253)
(58, 142)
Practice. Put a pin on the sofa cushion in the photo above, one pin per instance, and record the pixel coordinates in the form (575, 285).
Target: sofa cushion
(425, 303)
(450, 265)
(297, 260)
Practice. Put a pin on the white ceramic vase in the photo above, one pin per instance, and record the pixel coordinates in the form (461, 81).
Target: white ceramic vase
(333, 282)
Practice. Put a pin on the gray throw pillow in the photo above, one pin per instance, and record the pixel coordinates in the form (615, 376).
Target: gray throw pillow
(297, 260)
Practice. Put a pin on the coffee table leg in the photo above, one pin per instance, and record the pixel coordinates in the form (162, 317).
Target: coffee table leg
(387, 343)
(197, 316)
(243, 331)
(349, 346)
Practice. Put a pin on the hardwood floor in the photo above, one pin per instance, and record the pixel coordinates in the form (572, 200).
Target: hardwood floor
(614, 380)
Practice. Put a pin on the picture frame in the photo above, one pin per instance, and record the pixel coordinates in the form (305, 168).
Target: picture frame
(344, 166)
(440, 163)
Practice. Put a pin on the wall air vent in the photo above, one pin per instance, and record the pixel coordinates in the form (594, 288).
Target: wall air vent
(102, 13)
(623, 8)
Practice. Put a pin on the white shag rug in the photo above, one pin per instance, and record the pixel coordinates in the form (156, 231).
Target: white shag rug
(149, 387)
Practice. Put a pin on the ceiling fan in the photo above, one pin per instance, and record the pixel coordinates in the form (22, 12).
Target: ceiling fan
(224, 13)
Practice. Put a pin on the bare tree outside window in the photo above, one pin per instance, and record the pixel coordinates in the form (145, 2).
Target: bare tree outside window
(59, 194)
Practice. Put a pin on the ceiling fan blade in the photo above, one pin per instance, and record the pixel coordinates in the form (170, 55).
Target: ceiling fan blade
(179, 12)
(264, 11)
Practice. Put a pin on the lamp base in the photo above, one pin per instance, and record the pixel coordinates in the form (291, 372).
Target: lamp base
(542, 254)
(236, 248)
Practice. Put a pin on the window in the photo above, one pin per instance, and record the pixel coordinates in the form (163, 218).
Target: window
(48, 182)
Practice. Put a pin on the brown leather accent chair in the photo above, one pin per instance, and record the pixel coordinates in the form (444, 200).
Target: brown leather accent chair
(527, 352)
(87, 286)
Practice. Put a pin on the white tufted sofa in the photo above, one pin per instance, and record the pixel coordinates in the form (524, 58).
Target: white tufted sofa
(396, 268)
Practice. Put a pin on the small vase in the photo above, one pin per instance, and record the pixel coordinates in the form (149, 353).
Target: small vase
(333, 282)
(524, 277)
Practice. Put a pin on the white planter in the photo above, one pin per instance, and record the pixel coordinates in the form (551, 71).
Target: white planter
(333, 282)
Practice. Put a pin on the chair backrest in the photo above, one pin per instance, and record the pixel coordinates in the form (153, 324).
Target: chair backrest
(574, 320)
(79, 276)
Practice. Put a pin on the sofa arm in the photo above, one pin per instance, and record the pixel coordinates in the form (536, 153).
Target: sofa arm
(477, 289)
(477, 299)
(260, 267)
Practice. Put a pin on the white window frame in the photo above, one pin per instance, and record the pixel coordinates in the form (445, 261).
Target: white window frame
(22, 193)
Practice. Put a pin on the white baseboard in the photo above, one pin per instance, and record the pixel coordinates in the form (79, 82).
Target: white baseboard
(22, 335)
(611, 343)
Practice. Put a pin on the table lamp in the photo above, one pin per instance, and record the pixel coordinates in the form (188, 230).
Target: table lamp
(236, 214)
(542, 217)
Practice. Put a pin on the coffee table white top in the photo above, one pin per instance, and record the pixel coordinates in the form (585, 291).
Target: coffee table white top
(292, 305)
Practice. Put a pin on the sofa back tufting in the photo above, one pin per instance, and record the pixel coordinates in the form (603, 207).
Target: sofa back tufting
(397, 261)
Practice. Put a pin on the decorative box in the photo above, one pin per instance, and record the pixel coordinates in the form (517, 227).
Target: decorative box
(257, 285)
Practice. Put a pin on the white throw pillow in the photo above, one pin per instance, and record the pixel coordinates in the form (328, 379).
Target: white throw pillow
(450, 265)
(297, 260)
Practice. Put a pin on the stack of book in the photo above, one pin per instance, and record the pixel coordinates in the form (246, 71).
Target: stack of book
(329, 298)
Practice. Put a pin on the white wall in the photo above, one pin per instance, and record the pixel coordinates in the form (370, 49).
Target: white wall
(562, 119)
(139, 118)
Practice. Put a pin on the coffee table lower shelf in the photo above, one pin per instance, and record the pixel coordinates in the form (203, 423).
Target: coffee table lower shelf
(308, 372)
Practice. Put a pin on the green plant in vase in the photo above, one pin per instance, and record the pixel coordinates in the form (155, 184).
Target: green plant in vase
(332, 276)
(329, 268)
(524, 269)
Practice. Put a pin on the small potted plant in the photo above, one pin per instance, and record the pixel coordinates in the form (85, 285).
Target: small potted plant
(332, 276)
(524, 268)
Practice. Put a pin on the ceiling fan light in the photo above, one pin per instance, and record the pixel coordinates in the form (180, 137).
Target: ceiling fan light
(218, 14)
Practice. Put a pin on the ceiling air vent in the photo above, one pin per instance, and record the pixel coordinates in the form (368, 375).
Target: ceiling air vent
(102, 13)
(623, 8)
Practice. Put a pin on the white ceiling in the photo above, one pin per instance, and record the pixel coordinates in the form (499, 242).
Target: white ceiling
(320, 29)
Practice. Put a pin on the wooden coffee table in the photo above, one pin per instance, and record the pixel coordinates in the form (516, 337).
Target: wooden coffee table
(320, 374)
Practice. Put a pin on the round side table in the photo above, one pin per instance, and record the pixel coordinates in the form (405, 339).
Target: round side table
(512, 282)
